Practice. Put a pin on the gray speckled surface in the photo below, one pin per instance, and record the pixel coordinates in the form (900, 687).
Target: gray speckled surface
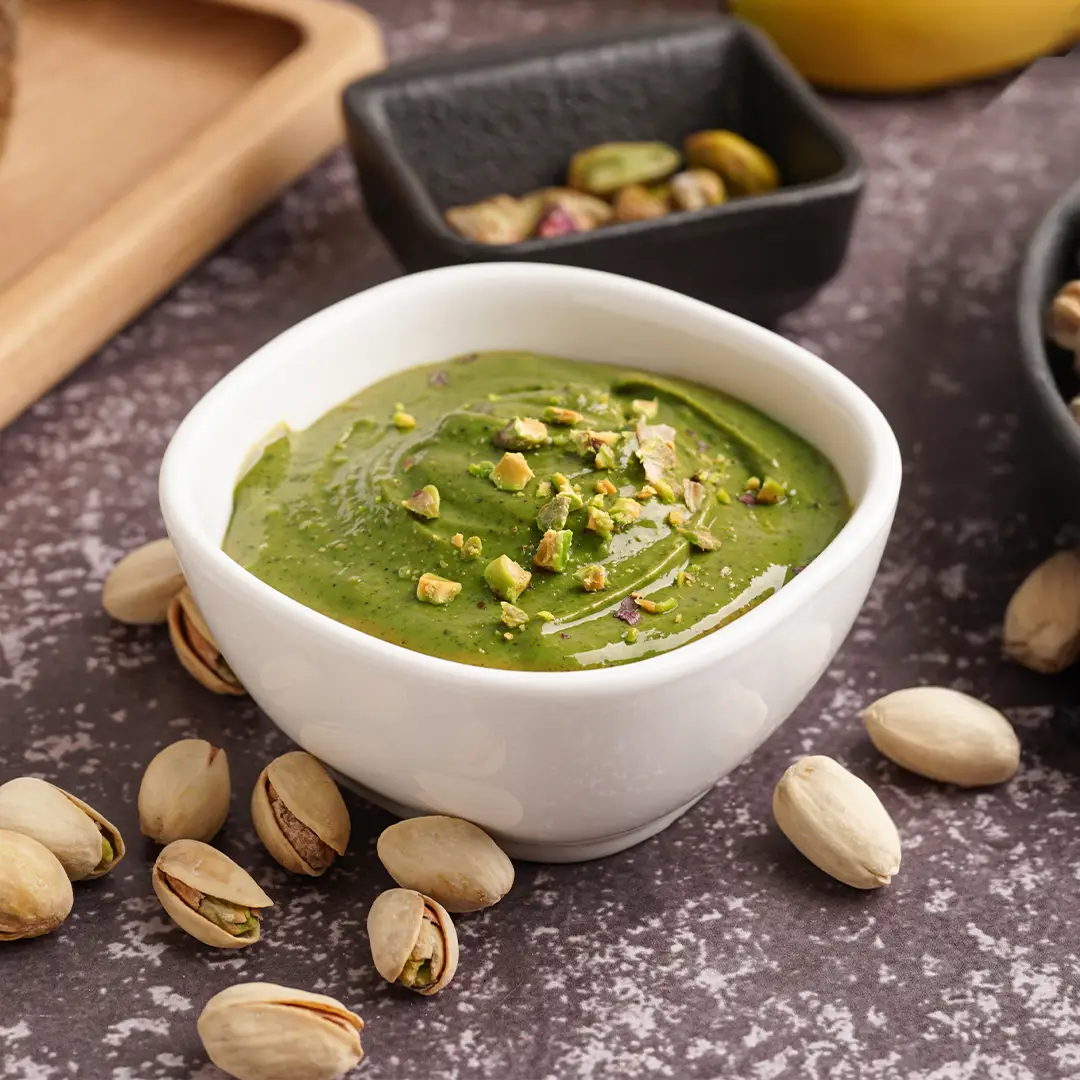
(713, 950)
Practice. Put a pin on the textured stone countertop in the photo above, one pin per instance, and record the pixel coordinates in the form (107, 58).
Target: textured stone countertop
(713, 950)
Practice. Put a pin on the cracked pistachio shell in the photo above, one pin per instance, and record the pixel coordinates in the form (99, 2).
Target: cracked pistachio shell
(71, 830)
(184, 794)
(259, 1031)
(212, 873)
(449, 859)
(837, 822)
(309, 796)
(196, 648)
(142, 584)
(35, 893)
(393, 926)
(1042, 621)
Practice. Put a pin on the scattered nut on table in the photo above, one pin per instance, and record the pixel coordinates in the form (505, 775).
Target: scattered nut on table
(837, 822)
(1042, 621)
(184, 794)
(260, 1031)
(35, 893)
(299, 814)
(86, 844)
(413, 940)
(207, 895)
(142, 584)
(944, 735)
(448, 859)
(196, 648)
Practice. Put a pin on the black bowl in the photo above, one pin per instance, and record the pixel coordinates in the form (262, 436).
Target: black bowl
(1052, 260)
(456, 129)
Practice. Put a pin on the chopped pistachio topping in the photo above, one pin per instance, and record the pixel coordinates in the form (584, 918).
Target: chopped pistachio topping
(693, 495)
(568, 489)
(522, 433)
(506, 578)
(682, 579)
(723, 496)
(543, 489)
(553, 514)
(472, 548)
(631, 635)
(512, 473)
(624, 512)
(404, 421)
(752, 484)
(513, 616)
(648, 409)
(482, 468)
(553, 551)
(701, 538)
(424, 502)
(606, 487)
(432, 589)
(666, 605)
(458, 540)
(771, 491)
(600, 522)
(664, 490)
(676, 517)
(589, 442)
(657, 456)
(545, 616)
(605, 458)
(593, 577)
(646, 493)
(567, 417)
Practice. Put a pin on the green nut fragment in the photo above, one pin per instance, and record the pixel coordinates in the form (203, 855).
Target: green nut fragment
(635, 202)
(513, 616)
(543, 489)
(745, 168)
(701, 537)
(482, 468)
(432, 589)
(472, 548)
(657, 455)
(567, 489)
(593, 577)
(404, 421)
(506, 578)
(752, 484)
(545, 616)
(589, 442)
(771, 492)
(664, 490)
(604, 169)
(667, 605)
(512, 473)
(631, 635)
(553, 414)
(649, 409)
(501, 219)
(624, 512)
(605, 458)
(423, 502)
(553, 514)
(600, 522)
(522, 433)
(723, 496)
(553, 551)
(697, 189)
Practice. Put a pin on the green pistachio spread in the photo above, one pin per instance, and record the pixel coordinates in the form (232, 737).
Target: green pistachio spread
(535, 513)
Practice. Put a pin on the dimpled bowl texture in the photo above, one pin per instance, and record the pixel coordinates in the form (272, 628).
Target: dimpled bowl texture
(559, 766)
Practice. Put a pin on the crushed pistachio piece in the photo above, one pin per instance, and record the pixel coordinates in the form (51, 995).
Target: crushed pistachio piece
(605, 458)
(513, 616)
(593, 577)
(624, 512)
(472, 548)
(567, 417)
(606, 487)
(506, 578)
(543, 489)
(424, 502)
(545, 616)
(553, 514)
(693, 494)
(648, 409)
(589, 442)
(646, 493)
(667, 605)
(522, 433)
(458, 540)
(404, 421)
(432, 589)
(682, 579)
(723, 496)
(553, 551)
(752, 484)
(597, 501)
(676, 517)
(482, 468)
(701, 537)
(771, 492)
(631, 635)
(600, 522)
(512, 473)
(678, 618)
(664, 490)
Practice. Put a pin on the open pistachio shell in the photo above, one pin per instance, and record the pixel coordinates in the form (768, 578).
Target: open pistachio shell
(85, 843)
(196, 648)
(394, 926)
(184, 792)
(449, 859)
(208, 873)
(35, 893)
(260, 1031)
(142, 584)
(299, 814)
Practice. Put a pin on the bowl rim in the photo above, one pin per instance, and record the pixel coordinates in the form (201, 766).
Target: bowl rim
(1038, 284)
(362, 105)
(872, 513)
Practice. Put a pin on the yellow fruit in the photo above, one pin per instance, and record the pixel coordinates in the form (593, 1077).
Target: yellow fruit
(900, 45)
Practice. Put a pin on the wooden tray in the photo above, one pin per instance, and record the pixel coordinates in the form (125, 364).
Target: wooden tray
(146, 131)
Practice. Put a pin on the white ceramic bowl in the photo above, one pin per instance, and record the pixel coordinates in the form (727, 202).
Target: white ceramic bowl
(559, 766)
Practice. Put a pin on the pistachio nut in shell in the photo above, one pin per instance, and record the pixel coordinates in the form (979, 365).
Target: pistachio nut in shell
(413, 940)
(745, 168)
(944, 735)
(449, 859)
(299, 814)
(603, 169)
(206, 894)
(837, 822)
(184, 794)
(35, 893)
(86, 844)
(142, 584)
(260, 1031)
(1042, 621)
(196, 648)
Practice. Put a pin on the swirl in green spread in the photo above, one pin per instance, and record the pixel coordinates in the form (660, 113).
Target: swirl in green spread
(648, 510)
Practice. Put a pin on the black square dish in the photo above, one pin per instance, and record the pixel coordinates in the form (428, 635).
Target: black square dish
(456, 129)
